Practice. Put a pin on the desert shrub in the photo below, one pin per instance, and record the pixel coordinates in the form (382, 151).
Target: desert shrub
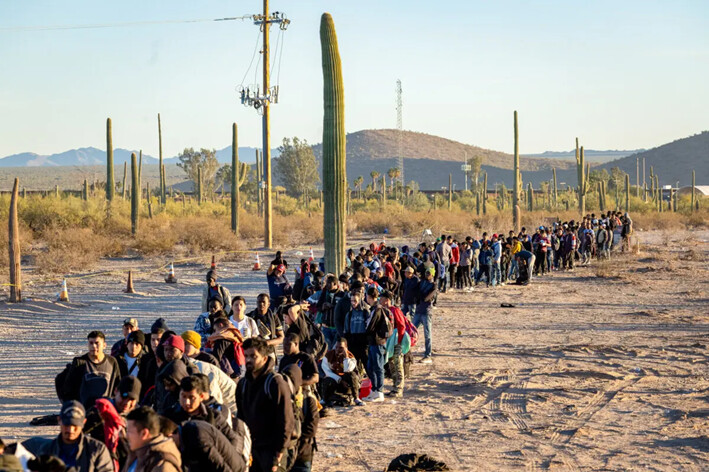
(73, 249)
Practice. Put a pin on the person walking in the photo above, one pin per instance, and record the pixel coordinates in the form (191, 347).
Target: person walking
(424, 313)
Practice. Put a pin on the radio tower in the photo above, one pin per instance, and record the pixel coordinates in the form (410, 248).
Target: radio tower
(400, 133)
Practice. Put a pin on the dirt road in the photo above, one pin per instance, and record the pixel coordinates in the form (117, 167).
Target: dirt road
(584, 373)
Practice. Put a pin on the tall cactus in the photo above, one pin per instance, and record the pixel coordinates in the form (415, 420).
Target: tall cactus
(517, 186)
(694, 197)
(658, 192)
(653, 193)
(582, 178)
(123, 184)
(450, 192)
(484, 194)
(134, 194)
(162, 167)
(530, 196)
(239, 171)
(110, 181)
(627, 192)
(334, 149)
(85, 191)
(13, 228)
(164, 185)
(555, 195)
(477, 202)
(199, 185)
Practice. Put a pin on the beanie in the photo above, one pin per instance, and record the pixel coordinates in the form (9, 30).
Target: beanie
(136, 337)
(159, 325)
(193, 338)
(176, 342)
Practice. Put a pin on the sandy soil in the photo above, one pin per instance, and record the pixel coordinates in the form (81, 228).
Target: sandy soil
(584, 373)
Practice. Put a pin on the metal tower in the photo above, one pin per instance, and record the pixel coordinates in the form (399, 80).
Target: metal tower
(400, 134)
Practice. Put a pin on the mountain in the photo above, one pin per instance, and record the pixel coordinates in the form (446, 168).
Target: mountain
(590, 154)
(672, 162)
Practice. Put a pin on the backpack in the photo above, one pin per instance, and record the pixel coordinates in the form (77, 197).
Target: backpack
(389, 320)
(316, 344)
(297, 403)
(59, 382)
(411, 331)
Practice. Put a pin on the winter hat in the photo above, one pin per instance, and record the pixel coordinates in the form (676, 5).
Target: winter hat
(212, 275)
(176, 342)
(136, 337)
(193, 338)
(159, 325)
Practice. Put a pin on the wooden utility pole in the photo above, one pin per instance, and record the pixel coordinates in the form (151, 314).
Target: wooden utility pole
(268, 205)
(14, 247)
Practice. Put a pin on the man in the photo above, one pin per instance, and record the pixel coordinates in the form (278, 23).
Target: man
(167, 387)
(214, 291)
(305, 361)
(525, 263)
(309, 416)
(203, 323)
(93, 375)
(424, 313)
(129, 325)
(74, 448)
(193, 344)
(455, 260)
(397, 360)
(278, 285)
(105, 420)
(131, 361)
(226, 347)
(246, 325)
(204, 448)
(264, 403)
(378, 331)
(269, 326)
(444, 255)
(496, 259)
(191, 407)
(409, 290)
(341, 383)
(150, 450)
(355, 327)
(327, 301)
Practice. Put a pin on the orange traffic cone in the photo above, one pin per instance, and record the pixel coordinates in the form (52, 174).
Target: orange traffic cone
(214, 262)
(129, 286)
(311, 257)
(257, 263)
(64, 294)
(171, 279)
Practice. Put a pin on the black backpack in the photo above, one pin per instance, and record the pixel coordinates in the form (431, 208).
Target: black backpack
(315, 344)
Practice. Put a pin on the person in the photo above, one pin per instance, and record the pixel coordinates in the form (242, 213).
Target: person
(397, 359)
(525, 263)
(150, 451)
(264, 403)
(409, 290)
(129, 325)
(192, 407)
(150, 360)
(485, 259)
(193, 346)
(204, 447)
(203, 323)
(602, 242)
(214, 291)
(378, 331)
(454, 261)
(167, 386)
(130, 362)
(245, 324)
(443, 250)
(463, 280)
(424, 313)
(305, 361)
(569, 248)
(308, 415)
(278, 285)
(226, 344)
(355, 327)
(496, 260)
(269, 325)
(325, 306)
(93, 375)
(73, 447)
(342, 381)
(626, 231)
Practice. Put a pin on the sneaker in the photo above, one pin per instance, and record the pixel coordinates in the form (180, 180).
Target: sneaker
(395, 394)
(373, 396)
(358, 402)
(379, 397)
(427, 360)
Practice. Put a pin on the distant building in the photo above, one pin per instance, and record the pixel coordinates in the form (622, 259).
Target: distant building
(702, 190)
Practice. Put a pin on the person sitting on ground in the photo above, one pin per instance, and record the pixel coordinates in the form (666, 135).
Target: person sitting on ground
(203, 324)
(193, 346)
(93, 375)
(214, 291)
(305, 361)
(246, 325)
(73, 447)
(226, 344)
(278, 285)
(342, 381)
(129, 325)
(105, 421)
(150, 450)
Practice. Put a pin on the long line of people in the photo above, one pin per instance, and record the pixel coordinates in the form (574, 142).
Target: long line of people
(218, 397)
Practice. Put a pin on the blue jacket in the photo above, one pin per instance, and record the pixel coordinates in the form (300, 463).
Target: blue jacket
(409, 290)
(496, 251)
(425, 297)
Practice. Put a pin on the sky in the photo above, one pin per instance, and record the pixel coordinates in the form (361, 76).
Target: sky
(618, 75)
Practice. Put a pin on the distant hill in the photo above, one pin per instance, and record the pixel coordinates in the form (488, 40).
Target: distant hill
(590, 154)
(672, 162)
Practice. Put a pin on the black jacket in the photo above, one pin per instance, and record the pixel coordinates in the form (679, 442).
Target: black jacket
(212, 416)
(265, 405)
(203, 447)
(311, 416)
(87, 381)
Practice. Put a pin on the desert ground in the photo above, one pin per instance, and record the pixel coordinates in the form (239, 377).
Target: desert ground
(603, 368)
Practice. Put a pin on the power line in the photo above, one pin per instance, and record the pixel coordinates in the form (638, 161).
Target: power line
(13, 29)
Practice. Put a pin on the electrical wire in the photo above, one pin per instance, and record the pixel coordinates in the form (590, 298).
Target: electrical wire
(12, 29)
(280, 56)
(258, 38)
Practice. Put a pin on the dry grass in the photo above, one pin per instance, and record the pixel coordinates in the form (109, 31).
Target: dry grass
(605, 270)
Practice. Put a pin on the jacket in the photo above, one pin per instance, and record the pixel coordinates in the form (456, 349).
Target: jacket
(86, 381)
(378, 326)
(426, 294)
(223, 292)
(92, 455)
(356, 319)
(311, 417)
(221, 386)
(455, 254)
(175, 370)
(205, 448)
(159, 455)
(408, 290)
(264, 404)
(212, 416)
(341, 310)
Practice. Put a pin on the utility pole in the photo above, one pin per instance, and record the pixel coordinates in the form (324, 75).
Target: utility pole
(466, 168)
(399, 127)
(637, 176)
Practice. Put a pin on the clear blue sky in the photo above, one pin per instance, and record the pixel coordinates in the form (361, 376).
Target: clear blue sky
(619, 75)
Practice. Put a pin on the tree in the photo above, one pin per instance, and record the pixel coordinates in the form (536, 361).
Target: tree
(598, 175)
(617, 178)
(476, 164)
(374, 175)
(190, 160)
(358, 185)
(223, 177)
(296, 167)
(393, 174)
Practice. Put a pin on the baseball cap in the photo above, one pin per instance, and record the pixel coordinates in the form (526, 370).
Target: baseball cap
(175, 341)
(72, 413)
(136, 337)
(131, 321)
(281, 267)
(431, 271)
(129, 387)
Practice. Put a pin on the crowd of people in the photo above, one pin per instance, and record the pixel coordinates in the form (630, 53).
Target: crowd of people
(222, 397)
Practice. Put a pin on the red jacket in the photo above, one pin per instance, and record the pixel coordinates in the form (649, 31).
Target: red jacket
(455, 255)
(399, 322)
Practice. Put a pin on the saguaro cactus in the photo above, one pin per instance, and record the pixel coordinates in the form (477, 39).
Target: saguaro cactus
(694, 197)
(600, 196)
(14, 247)
(530, 196)
(134, 194)
(199, 185)
(110, 181)
(163, 197)
(484, 194)
(516, 217)
(123, 185)
(582, 178)
(85, 191)
(555, 195)
(627, 192)
(477, 202)
(334, 149)
(238, 177)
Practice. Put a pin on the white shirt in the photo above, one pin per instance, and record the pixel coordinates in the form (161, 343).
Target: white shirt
(247, 326)
(130, 361)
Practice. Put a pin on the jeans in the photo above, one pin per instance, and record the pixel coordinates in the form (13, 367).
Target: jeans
(375, 367)
(496, 274)
(408, 309)
(514, 269)
(330, 335)
(425, 320)
(550, 259)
